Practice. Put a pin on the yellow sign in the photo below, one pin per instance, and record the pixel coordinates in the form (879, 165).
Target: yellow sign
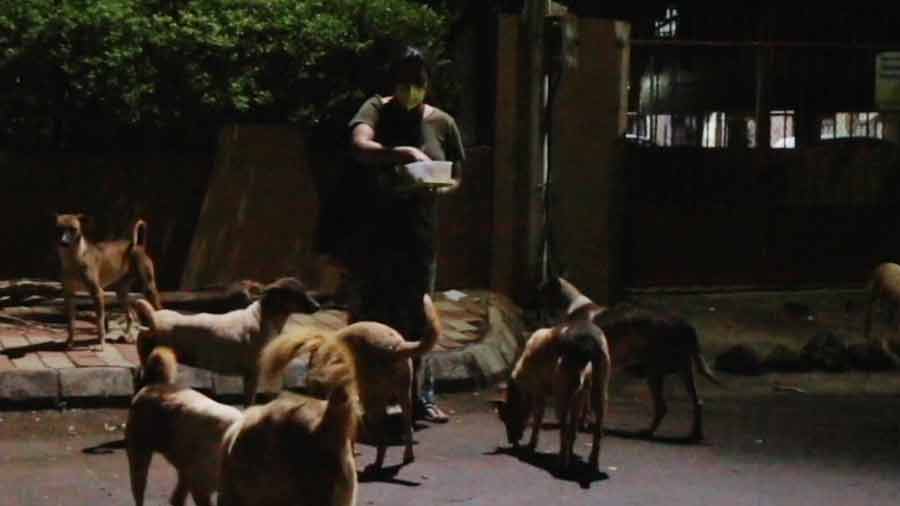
(887, 81)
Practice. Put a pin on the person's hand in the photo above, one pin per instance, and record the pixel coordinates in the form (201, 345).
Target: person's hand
(450, 188)
(410, 154)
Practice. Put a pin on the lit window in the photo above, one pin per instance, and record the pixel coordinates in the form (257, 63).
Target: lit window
(666, 28)
(781, 129)
(845, 125)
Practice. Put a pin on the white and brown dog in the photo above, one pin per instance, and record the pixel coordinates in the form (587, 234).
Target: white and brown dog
(185, 426)
(91, 267)
(382, 359)
(296, 449)
(228, 343)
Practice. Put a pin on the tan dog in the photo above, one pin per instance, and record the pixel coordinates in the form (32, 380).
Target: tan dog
(228, 343)
(383, 363)
(91, 267)
(295, 450)
(185, 426)
(884, 287)
(570, 364)
(651, 341)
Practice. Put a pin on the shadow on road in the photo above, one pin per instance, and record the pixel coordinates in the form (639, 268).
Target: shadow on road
(579, 472)
(105, 448)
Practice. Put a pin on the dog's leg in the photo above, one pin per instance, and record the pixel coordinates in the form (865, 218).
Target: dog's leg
(537, 422)
(202, 496)
(138, 467)
(97, 294)
(148, 277)
(655, 382)
(407, 406)
(69, 297)
(690, 384)
(565, 397)
(376, 420)
(598, 399)
(122, 296)
(179, 495)
(251, 380)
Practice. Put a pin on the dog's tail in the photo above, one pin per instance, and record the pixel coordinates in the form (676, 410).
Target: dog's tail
(433, 329)
(697, 357)
(161, 367)
(139, 233)
(276, 355)
(145, 312)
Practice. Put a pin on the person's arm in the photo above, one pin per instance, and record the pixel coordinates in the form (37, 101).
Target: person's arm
(369, 151)
(457, 154)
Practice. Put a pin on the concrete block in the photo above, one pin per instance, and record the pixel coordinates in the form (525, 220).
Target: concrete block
(96, 382)
(17, 385)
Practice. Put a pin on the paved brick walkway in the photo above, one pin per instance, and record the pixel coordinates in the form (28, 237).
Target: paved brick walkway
(482, 336)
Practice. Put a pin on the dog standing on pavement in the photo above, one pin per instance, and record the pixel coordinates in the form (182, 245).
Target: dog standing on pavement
(382, 360)
(185, 426)
(570, 364)
(228, 343)
(647, 340)
(295, 450)
(91, 267)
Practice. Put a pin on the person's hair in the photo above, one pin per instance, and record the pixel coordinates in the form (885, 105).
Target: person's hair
(410, 67)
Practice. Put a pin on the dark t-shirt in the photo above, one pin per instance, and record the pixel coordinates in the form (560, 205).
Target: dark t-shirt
(404, 220)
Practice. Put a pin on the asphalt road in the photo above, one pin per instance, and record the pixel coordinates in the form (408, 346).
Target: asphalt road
(781, 449)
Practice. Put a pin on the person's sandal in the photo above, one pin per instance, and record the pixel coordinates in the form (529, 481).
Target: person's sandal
(432, 413)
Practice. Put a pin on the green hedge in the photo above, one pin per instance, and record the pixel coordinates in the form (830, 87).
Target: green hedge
(85, 71)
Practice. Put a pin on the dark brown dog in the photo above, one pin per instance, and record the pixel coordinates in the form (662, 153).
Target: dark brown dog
(647, 340)
(228, 343)
(91, 267)
(569, 363)
(295, 450)
(382, 359)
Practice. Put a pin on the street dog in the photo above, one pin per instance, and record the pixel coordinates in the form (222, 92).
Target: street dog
(570, 364)
(884, 287)
(227, 343)
(91, 267)
(382, 360)
(296, 449)
(650, 341)
(183, 425)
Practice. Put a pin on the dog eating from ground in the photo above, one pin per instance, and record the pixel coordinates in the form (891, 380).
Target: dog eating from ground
(296, 449)
(185, 426)
(228, 343)
(646, 340)
(382, 359)
(570, 364)
(91, 267)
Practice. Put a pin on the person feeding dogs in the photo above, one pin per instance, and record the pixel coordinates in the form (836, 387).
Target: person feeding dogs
(392, 263)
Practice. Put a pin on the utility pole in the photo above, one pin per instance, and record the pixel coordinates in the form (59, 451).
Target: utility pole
(531, 177)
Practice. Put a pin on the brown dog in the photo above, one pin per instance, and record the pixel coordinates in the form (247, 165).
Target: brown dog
(383, 363)
(295, 450)
(884, 287)
(570, 364)
(185, 426)
(92, 267)
(228, 343)
(647, 340)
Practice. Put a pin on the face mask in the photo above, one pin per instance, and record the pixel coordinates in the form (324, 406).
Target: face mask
(409, 96)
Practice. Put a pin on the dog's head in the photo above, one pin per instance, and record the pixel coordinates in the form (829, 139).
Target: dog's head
(287, 295)
(513, 409)
(551, 300)
(69, 229)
